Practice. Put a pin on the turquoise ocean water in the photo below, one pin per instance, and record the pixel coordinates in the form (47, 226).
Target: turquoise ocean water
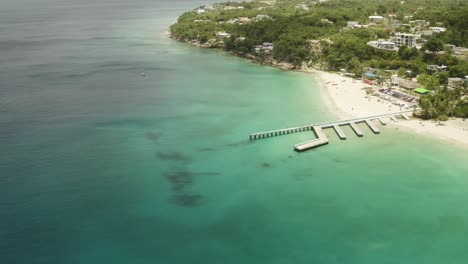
(101, 165)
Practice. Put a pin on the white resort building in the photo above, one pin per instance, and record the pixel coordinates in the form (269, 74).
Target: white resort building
(437, 29)
(375, 19)
(382, 44)
(405, 39)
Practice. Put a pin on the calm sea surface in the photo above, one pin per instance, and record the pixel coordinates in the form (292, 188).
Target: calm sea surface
(99, 164)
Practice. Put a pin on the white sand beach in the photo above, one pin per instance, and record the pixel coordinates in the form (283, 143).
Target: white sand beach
(348, 98)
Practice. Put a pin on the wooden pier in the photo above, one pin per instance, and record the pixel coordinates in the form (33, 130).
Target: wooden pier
(321, 138)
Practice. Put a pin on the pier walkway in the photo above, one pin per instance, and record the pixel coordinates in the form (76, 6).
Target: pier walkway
(321, 138)
(319, 141)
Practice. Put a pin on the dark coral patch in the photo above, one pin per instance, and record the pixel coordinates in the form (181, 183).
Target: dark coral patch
(188, 200)
(175, 156)
(179, 180)
(152, 136)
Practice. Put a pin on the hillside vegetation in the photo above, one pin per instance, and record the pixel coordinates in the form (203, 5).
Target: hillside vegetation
(317, 34)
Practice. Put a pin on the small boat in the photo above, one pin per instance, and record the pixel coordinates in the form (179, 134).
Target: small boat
(143, 74)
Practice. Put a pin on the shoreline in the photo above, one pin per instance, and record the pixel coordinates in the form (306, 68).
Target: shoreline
(347, 99)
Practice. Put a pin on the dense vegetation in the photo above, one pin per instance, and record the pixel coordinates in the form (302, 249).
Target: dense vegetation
(292, 24)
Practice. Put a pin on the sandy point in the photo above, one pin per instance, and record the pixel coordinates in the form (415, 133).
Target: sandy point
(347, 98)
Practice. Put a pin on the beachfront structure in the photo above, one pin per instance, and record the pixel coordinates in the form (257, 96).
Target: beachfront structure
(200, 11)
(376, 19)
(421, 91)
(405, 39)
(382, 44)
(404, 83)
(455, 83)
(266, 47)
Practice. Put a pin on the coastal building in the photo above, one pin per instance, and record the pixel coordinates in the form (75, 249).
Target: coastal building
(201, 20)
(326, 21)
(244, 20)
(232, 21)
(223, 35)
(382, 44)
(315, 46)
(460, 51)
(266, 47)
(436, 68)
(405, 39)
(376, 19)
(419, 23)
(395, 24)
(229, 8)
(437, 29)
(426, 33)
(404, 83)
(302, 6)
(200, 11)
(262, 17)
(455, 83)
(353, 24)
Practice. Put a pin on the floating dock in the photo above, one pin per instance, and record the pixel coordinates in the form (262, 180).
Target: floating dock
(394, 118)
(340, 132)
(356, 129)
(382, 121)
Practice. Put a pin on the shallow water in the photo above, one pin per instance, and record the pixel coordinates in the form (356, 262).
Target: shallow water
(100, 164)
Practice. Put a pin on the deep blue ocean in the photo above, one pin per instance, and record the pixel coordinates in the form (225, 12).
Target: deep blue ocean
(99, 164)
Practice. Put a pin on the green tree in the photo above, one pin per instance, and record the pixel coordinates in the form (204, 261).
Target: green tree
(433, 45)
(428, 81)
